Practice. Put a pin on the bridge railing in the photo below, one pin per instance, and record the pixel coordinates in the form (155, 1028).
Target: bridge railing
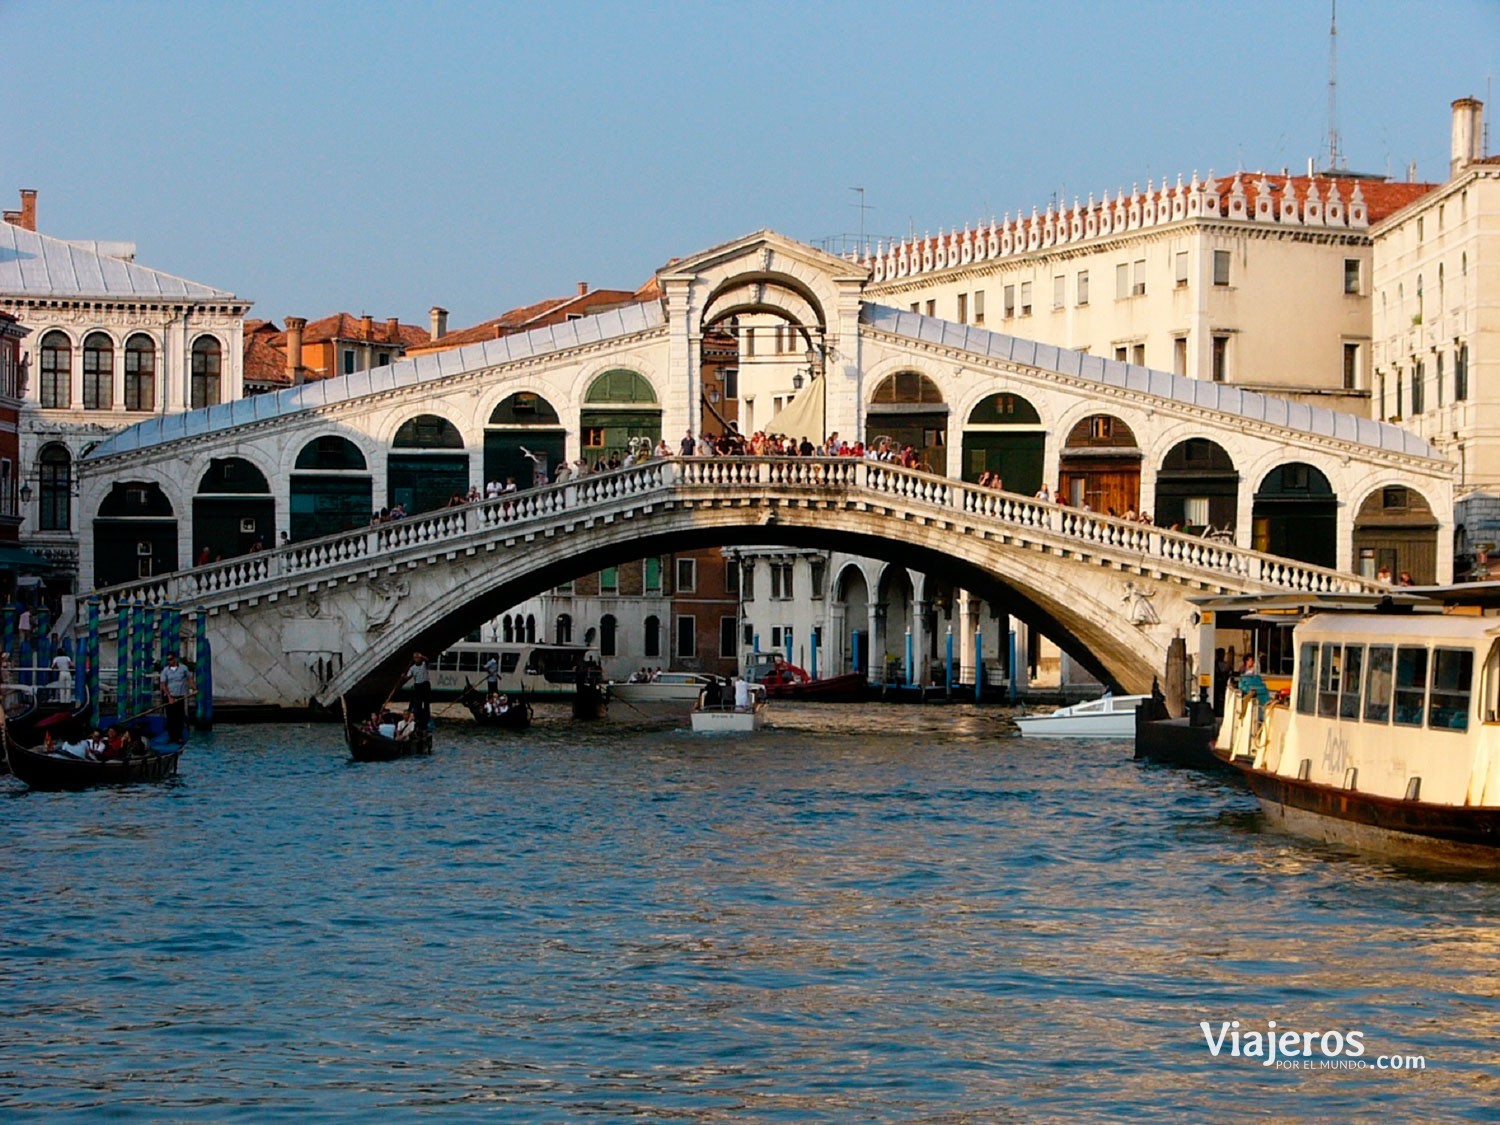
(381, 543)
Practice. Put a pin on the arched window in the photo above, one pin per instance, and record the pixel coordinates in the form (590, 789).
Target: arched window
(907, 388)
(620, 385)
(564, 629)
(507, 631)
(98, 371)
(140, 373)
(54, 488)
(428, 431)
(607, 635)
(57, 371)
(652, 644)
(329, 453)
(207, 363)
(530, 629)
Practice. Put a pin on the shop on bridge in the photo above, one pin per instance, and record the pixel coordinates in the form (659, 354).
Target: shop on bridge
(1004, 436)
(523, 423)
(427, 465)
(1100, 466)
(620, 405)
(330, 488)
(908, 408)
(135, 534)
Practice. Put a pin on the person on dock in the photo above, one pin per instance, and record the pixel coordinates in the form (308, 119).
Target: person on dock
(177, 683)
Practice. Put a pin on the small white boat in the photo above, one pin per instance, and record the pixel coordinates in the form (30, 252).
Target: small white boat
(1109, 716)
(713, 718)
(669, 687)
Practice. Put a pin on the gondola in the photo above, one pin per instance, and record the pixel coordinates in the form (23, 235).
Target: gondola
(591, 700)
(30, 720)
(42, 770)
(370, 746)
(517, 716)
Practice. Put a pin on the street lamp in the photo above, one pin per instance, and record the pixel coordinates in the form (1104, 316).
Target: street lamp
(26, 492)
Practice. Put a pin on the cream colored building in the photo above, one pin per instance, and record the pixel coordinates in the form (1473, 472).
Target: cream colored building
(1437, 325)
(1261, 281)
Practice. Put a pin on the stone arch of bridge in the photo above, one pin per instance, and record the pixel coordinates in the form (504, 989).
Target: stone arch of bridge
(1083, 608)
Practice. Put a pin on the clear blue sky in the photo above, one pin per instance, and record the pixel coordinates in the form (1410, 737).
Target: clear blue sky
(380, 157)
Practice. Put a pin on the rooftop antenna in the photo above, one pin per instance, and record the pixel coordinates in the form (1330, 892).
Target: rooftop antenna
(863, 207)
(1335, 161)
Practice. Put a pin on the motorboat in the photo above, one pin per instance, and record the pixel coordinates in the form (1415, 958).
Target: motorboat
(668, 687)
(718, 713)
(1109, 716)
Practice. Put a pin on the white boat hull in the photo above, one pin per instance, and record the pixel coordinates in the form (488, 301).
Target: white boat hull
(656, 693)
(1113, 716)
(728, 722)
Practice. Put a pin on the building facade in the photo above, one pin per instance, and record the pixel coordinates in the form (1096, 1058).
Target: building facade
(1437, 329)
(110, 342)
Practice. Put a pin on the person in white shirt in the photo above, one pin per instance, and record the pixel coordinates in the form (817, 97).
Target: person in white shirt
(62, 683)
(741, 694)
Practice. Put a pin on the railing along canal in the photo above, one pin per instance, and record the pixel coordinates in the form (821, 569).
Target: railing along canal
(521, 513)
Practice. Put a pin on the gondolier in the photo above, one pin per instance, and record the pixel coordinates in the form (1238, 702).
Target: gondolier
(176, 685)
(492, 675)
(421, 689)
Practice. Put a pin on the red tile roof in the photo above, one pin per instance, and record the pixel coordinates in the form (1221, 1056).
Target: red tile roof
(1382, 197)
(551, 311)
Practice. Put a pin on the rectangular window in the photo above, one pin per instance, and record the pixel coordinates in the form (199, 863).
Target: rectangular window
(1025, 298)
(687, 636)
(593, 437)
(1101, 427)
(1180, 261)
(1437, 377)
(609, 580)
(979, 306)
(1221, 267)
(775, 636)
(653, 575)
(1395, 498)
(732, 577)
(963, 308)
(747, 635)
(1461, 373)
(1307, 679)
(781, 581)
(1195, 511)
(1354, 659)
(916, 306)
(687, 576)
(750, 340)
(1351, 366)
(1452, 684)
(1138, 355)
(1418, 388)
(932, 308)
(348, 362)
(731, 377)
(1411, 685)
(1122, 353)
(747, 582)
(817, 569)
(1329, 668)
(1122, 281)
(1083, 287)
(1351, 276)
(1059, 291)
(1138, 279)
(727, 631)
(1221, 359)
(1010, 301)
(1378, 685)
(1179, 355)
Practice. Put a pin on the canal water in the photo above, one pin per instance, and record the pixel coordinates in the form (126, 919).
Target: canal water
(861, 914)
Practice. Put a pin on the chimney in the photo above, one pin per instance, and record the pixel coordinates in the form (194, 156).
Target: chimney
(393, 330)
(439, 321)
(1468, 135)
(366, 326)
(294, 368)
(583, 287)
(25, 218)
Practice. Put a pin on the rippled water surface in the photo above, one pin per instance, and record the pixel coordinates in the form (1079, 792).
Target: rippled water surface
(876, 913)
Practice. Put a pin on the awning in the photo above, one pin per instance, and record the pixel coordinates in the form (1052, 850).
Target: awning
(19, 558)
(802, 417)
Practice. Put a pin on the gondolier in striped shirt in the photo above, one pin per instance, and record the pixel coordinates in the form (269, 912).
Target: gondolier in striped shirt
(421, 689)
(177, 684)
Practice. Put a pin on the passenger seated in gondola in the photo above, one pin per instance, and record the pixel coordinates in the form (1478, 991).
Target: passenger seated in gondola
(135, 744)
(96, 745)
(73, 748)
(406, 726)
(114, 745)
(385, 724)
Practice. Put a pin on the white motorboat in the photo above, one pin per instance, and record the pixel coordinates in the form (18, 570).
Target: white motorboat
(1109, 716)
(669, 687)
(726, 718)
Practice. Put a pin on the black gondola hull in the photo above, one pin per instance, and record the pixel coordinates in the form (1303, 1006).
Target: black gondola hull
(40, 770)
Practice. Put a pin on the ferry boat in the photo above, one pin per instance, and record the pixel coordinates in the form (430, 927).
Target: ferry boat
(539, 671)
(1389, 737)
(1109, 716)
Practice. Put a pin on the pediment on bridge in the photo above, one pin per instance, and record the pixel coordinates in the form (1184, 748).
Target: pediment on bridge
(764, 252)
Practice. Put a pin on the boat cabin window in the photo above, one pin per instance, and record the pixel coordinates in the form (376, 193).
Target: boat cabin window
(1307, 679)
(1328, 681)
(1452, 684)
(1378, 684)
(508, 662)
(1490, 699)
(447, 660)
(1411, 685)
(468, 660)
(1354, 660)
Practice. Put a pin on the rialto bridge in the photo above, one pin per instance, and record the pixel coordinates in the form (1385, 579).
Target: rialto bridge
(1310, 497)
